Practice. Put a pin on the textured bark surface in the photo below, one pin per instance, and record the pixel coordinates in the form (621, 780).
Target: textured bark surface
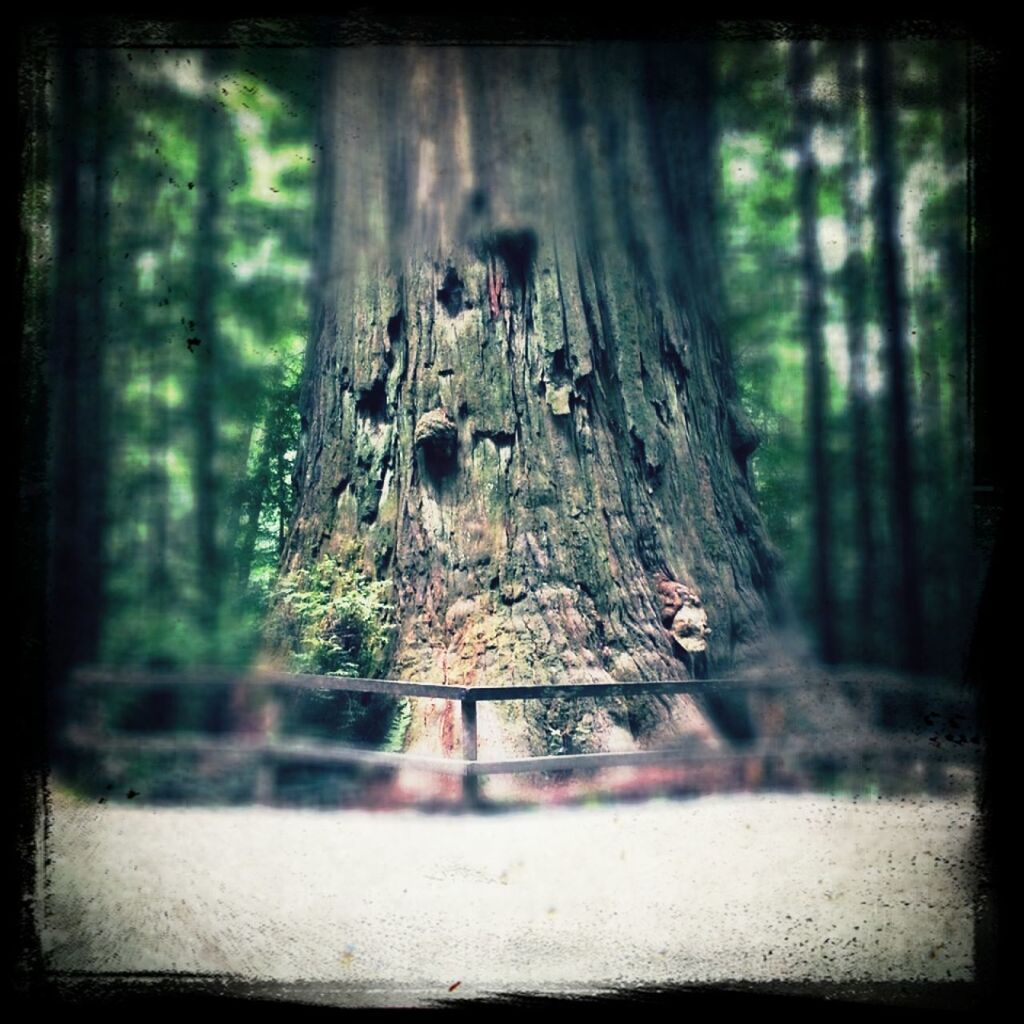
(518, 271)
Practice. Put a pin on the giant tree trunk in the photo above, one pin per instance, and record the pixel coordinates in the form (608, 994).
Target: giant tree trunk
(517, 401)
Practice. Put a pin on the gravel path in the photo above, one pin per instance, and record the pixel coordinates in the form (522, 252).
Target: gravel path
(724, 887)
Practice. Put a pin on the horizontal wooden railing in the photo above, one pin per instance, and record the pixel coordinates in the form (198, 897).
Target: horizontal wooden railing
(542, 691)
(470, 767)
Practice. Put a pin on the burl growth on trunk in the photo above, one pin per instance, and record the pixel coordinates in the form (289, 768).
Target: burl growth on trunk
(683, 614)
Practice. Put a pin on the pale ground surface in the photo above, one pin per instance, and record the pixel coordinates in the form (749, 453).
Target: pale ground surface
(404, 904)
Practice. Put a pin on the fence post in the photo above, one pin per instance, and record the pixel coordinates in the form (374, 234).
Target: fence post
(258, 712)
(263, 791)
(470, 783)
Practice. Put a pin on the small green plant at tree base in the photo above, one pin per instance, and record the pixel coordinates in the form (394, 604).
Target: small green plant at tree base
(400, 722)
(339, 620)
(336, 621)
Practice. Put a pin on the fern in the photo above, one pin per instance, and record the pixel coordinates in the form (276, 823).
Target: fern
(340, 620)
(336, 621)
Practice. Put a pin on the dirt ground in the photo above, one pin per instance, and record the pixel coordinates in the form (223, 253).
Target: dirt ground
(403, 907)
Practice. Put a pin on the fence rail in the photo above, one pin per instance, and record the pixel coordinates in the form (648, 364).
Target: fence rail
(271, 751)
(543, 691)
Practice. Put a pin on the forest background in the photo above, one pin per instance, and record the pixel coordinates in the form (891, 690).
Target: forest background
(167, 216)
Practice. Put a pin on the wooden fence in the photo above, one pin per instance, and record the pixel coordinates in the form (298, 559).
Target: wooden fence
(269, 751)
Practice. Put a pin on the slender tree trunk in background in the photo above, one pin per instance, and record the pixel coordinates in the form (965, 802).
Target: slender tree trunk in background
(159, 489)
(817, 365)
(855, 304)
(283, 505)
(208, 357)
(95, 422)
(518, 406)
(34, 257)
(68, 642)
(256, 493)
(938, 536)
(243, 485)
(955, 275)
(953, 262)
(76, 361)
(907, 595)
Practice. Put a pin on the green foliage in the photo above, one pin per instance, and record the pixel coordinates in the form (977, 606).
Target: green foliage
(763, 285)
(338, 619)
(395, 736)
(257, 251)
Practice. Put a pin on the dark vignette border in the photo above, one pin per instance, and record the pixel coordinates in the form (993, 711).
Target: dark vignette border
(991, 49)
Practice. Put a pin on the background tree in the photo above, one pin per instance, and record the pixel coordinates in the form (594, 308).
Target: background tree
(759, 229)
(606, 408)
(901, 470)
(813, 302)
(876, 505)
(206, 348)
(855, 289)
(77, 354)
(210, 227)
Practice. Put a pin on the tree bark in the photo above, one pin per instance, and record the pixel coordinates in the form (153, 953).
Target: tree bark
(517, 405)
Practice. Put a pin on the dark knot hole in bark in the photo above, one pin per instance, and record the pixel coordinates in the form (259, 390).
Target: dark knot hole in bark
(517, 249)
(559, 370)
(437, 439)
(373, 400)
(395, 327)
(450, 293)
